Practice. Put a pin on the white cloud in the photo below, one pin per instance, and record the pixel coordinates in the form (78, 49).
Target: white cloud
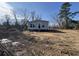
(5, 8)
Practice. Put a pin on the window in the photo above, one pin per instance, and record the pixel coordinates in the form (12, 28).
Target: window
(30, 25)
(33, 25)
(43, 26)
(39, 26)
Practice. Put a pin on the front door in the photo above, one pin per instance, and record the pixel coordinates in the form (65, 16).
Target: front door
(39, 26)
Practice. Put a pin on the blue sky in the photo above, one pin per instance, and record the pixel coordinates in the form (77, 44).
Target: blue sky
(45, 9)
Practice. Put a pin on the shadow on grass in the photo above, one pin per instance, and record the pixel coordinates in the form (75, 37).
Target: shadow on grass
(51, 31)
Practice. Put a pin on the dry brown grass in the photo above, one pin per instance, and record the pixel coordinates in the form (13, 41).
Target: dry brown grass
(62, 43)
(56, 44)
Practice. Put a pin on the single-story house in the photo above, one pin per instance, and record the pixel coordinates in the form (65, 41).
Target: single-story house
(38, 25)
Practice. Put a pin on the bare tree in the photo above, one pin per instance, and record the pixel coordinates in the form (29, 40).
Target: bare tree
(16, 20)
(57, 20)
(7, 23)
(15, 17)
(33, 15)
(25, 19)
(38, 17)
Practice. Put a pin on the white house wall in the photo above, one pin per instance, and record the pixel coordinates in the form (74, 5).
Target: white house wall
(36, 26)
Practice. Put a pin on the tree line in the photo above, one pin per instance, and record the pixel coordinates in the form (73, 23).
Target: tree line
(20, 25)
